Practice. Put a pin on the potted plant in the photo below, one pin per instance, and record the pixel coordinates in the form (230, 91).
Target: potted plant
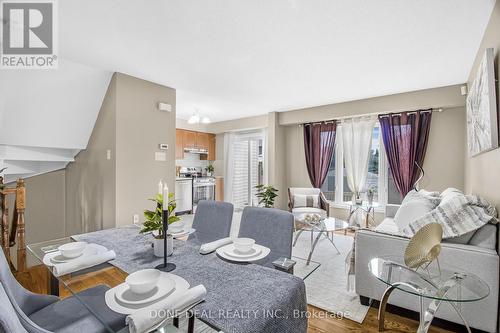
(210, 170)
(154, 224)
(266, 194)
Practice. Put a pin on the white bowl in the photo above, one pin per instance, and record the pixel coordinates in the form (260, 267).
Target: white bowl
(176, 226)
(143, 281)
(244, 245)
(72, 250)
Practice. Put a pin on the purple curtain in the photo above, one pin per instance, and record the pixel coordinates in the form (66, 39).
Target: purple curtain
(405, 138)
(319, 141)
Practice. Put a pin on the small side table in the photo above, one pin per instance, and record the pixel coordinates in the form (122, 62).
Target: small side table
(445, 287)
(324, 228)
(367, 208)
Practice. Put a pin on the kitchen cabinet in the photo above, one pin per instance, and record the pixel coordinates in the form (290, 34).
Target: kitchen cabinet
(202, 140)
(211, 147)
(179, 145)
(191, 139)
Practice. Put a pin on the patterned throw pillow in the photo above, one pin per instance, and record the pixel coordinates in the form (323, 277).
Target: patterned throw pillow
(300, 200)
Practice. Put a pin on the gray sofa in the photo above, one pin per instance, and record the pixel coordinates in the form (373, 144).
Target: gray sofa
(476, 253)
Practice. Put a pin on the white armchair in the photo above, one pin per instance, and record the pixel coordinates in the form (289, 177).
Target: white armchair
(303, 200)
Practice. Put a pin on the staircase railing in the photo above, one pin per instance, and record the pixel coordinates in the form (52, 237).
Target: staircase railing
(17, 228)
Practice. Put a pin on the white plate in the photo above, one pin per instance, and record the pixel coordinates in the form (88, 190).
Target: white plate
(165, 287)
(181, 285)
(90, 250)
(264, 253)
(230, 250)
(183, 233)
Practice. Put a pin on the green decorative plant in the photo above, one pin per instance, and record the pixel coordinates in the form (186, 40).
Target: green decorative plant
(154, 218)
(210, 168)
(266, 194)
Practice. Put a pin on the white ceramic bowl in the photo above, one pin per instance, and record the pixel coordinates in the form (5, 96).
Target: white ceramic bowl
(244, 244)
(72, 250)
(143, 281)
(176, 226)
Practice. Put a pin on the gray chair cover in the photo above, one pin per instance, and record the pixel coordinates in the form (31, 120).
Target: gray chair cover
(212, 221)
(8, 317)
(44, 313)
(269, 227)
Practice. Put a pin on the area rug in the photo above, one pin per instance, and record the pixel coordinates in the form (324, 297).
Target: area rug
(326, 286)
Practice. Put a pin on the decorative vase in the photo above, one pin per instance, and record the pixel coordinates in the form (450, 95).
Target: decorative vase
(158, 246)
(370, 198)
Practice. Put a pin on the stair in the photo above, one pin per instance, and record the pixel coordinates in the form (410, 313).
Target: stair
(25, 162)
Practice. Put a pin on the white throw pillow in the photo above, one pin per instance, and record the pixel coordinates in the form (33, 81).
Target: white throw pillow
(300, 200)
(449, 194)
(414, 206)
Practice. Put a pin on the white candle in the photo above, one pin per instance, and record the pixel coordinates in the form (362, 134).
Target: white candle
(165, 197)
(160, 187)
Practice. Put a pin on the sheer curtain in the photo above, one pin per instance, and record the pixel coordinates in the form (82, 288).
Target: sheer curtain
(228, 166)
(357, 141)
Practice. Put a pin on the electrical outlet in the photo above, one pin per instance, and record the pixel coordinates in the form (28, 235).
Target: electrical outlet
(136, 218)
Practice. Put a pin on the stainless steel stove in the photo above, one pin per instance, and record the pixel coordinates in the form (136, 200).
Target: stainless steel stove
(203, 187)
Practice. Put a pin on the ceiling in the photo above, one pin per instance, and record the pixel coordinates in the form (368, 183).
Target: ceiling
(238, 58)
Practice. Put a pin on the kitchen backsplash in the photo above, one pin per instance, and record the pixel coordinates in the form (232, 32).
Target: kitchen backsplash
(191, 160)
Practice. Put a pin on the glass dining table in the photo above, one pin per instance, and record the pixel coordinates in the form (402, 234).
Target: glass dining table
(73, 284)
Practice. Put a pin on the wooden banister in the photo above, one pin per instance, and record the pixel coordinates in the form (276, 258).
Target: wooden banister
(18, 224)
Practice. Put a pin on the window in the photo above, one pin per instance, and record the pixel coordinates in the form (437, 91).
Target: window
(328, 187)
(248, 167)
(379, 177)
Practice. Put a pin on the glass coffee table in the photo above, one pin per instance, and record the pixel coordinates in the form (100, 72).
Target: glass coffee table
(325, 228)
(439, 286)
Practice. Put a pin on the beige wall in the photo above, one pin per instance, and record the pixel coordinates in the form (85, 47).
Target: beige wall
(276, 144)
(444, 97)
(91, 178)
(238, 124)
(140, 127)
(104, 193)
(443, 164)
(481, 172)
(45, 210)
(183, 124)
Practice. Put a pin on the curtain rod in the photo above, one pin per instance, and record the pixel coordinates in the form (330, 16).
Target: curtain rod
(382, 114)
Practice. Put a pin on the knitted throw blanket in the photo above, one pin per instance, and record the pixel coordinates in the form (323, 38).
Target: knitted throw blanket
(458, 216)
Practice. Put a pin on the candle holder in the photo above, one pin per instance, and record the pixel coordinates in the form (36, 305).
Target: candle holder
(166, 266)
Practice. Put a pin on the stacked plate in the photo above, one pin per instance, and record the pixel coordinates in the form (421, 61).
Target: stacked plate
(144, 288)
(71, 252)
(243, 250)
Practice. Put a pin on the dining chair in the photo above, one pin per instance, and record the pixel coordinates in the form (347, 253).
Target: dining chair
(44, 313)
(212, 220)
(9, 322)
(270, 227)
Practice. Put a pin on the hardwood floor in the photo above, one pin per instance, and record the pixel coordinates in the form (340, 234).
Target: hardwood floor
(36, 280)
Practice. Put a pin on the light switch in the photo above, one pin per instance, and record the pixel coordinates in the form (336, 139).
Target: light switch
(136, 218)
(108, 154)
(160, 156)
